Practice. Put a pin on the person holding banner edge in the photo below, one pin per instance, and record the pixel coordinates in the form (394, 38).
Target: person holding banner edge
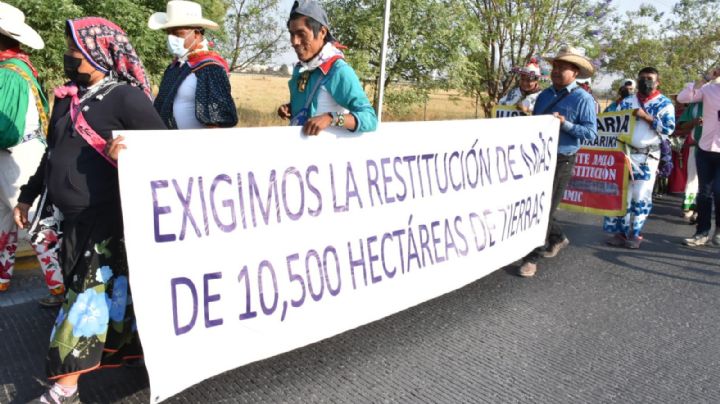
(578, 121)
(324, 89)
(108, 90)
(655, 116)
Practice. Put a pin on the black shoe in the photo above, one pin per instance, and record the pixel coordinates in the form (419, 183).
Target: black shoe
(51, 301)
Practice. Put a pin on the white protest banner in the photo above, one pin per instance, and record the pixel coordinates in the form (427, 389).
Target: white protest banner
(247, 243)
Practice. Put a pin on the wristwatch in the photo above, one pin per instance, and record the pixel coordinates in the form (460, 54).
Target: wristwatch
(338, 119)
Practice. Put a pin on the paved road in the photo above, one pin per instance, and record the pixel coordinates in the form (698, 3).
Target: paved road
(596, 325)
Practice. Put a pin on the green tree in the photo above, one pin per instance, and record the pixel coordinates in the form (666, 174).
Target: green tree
(507, 33)
(681, 47)
(254, 33)
(48, 17)
(423, 43)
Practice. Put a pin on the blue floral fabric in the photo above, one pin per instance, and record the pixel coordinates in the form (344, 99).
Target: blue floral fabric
(95, 327)
(644, 165)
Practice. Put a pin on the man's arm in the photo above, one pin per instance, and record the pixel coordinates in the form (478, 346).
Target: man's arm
(691, 93)
(347, 91)
(585, 125)
(664, 122)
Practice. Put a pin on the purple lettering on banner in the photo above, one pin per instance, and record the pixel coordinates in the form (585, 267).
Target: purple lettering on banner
(389, 274)
(427, 158)
(501, 162)
(313, 190)
(267, 266)
(420, 177)
(478, 246)
(354, 193)
(459, 185)
(372, 176)
(435, 241)
(386, 179)
(372, 258)
(412, 247)
(187, 214)
(449, 241)
(360, 262)
(336, 208)
(464, 250)
(409, 160)
(176, 322)
(396, 234)
(265, 210)
(511, 163)
(312, 254)
(484, 163)
(400, 197)
(330, 250)
(293, 277)
(293, 215)
(228, 203)
(206, 219)
(208, 298)
(425, 244)
(442, 188)
(160, 210)
(490, 228)
(241, 199)
(244, 275)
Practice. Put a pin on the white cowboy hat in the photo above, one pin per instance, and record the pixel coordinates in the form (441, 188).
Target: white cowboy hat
(12, 25)
(181, 14)
(573, 56)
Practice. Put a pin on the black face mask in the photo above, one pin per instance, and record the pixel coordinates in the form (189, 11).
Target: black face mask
(646, 86)
(71, 65)
(624, 92)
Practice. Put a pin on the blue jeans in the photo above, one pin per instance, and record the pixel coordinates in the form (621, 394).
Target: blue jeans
(708, 171)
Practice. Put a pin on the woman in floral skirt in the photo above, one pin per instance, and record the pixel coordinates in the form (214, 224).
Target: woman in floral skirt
(108, 90)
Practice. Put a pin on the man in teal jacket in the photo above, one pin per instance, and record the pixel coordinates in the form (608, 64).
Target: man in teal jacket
(324, 89)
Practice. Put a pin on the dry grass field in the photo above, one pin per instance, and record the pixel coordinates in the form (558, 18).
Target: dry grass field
(258, 97)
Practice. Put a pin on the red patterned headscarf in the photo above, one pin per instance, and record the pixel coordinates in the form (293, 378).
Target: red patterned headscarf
(107, 47)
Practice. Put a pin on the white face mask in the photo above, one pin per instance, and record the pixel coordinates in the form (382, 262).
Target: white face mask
(176, 46)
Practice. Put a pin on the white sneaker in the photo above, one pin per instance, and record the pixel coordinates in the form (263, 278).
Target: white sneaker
(697, 240)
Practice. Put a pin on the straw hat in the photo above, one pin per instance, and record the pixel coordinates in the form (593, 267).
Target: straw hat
(571, 55)
(181, 13)
(12, 25)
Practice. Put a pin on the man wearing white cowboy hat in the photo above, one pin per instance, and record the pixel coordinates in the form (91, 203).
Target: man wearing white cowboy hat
(575, 109)
(23, 122)
(195, 90)
(524, 95)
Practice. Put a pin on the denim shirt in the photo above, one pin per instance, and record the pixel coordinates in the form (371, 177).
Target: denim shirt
(578, 108)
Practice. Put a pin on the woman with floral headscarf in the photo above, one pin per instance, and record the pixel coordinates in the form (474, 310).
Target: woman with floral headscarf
(108, 90)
